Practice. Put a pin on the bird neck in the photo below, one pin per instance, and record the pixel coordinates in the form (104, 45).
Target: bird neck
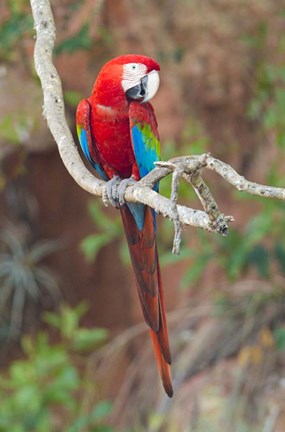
(108, 91)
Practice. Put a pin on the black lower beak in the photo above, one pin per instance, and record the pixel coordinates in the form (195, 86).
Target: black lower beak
(138, 91)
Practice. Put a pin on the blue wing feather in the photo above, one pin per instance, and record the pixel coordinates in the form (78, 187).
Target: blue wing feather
(84, 145)
(85, 137)
(146, 146)
(145, 154)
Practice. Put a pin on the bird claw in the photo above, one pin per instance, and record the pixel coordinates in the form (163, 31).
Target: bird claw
(110, 194)
(122, 189)
(115, 190)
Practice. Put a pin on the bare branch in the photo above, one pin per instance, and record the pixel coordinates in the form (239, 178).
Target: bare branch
(240, 183)
(188, 167)
(174, 198)
(53, 98)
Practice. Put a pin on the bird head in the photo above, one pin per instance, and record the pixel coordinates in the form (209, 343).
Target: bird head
(132, 77)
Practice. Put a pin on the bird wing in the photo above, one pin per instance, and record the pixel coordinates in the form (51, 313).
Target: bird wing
(144, 135)
(86, 139)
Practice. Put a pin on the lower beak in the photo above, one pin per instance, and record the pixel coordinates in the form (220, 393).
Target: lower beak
(146, 89)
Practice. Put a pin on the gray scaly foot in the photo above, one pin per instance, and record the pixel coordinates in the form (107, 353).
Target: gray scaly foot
(122, 188)
(110, 194)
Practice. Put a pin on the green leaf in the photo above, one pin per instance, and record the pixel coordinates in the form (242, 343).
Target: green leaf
(80, 424)
(101, 219)
(81, 309)
(101, 410)
(86, 339)
(69, 322)
(92, 245)
(52, 319)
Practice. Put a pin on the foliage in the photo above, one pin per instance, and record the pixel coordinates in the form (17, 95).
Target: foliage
(14, 28)
(23, 277)
(89, 36)
(108, 229)
(47, 390)
(247, 249)
(260, 243)
(81, 40)
(268, 103)
(15, 128)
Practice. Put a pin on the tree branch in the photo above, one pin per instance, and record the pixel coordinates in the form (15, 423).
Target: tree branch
(188, 167)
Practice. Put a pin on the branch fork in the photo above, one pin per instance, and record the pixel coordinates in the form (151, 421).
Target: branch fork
(190, 167)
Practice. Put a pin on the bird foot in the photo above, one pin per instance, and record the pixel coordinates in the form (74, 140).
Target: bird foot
(115, 190)
(122, 189)
(110, 195)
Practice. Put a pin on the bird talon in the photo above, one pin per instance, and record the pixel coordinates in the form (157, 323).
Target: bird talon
(115, 190)
(110, 194)
(122, 189)
(105, 198)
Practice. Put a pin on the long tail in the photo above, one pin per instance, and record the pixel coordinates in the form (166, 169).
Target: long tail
(143, 252)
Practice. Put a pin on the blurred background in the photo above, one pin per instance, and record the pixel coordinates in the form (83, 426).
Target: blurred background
(74, 352)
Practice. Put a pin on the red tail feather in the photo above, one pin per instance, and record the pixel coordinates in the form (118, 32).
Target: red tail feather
(143, 252)
(162, 365)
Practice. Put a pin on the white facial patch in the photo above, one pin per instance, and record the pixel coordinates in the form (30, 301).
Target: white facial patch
(132, 73)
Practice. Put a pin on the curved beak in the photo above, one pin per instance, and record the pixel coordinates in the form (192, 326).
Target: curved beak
(146, 89)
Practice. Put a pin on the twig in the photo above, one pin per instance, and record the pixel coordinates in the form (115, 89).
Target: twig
(240, 183)
(178, 172)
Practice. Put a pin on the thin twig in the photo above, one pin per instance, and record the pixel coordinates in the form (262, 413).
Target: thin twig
(177, 223)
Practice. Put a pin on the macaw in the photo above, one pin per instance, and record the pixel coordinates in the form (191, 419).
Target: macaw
(118, 134)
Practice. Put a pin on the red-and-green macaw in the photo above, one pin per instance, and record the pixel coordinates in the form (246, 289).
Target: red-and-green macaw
(117, 130)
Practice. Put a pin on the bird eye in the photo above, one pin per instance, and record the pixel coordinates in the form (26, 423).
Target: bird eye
(134, 67)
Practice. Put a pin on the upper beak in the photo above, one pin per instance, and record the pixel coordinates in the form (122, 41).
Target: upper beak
(146, 88)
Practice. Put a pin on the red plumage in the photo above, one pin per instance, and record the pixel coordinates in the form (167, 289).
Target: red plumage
(107, 117)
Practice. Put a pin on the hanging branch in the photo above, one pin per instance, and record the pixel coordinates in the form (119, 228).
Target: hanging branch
(188, 167)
